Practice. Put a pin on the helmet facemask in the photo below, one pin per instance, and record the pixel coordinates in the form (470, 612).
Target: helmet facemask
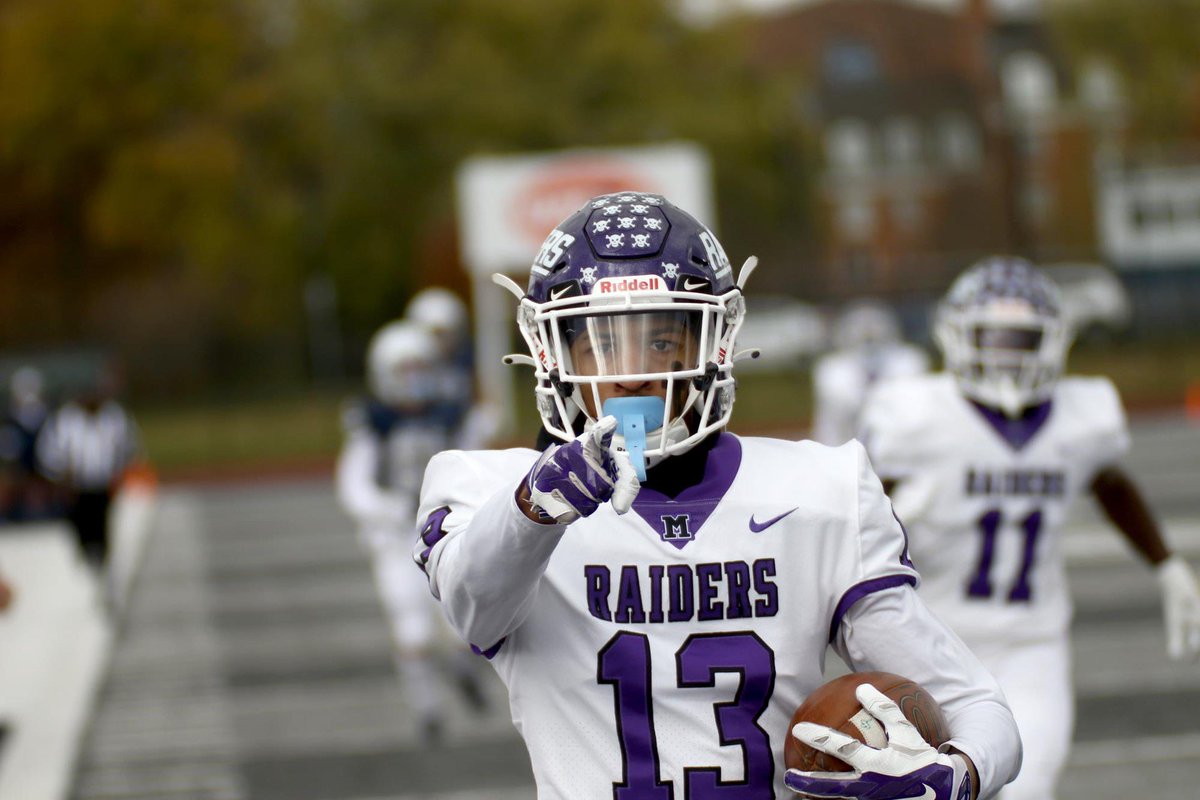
(670, 344)
(1005, 353)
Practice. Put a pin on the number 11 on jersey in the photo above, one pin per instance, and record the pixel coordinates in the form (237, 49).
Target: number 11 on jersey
(990, 525)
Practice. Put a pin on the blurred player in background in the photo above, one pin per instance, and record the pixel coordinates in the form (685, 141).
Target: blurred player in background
(867, 349)
(984, 462)
(442, 313)
(24, 491)
(390, 437)
(87, 446)
(661, 653)
(6, 594)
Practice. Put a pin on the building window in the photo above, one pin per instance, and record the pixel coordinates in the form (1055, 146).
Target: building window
(958, 141)
(902, 141)
(848, 146)
(855, 217)
(849, 61)
(906, 212)
(1028, 82)
(1100, 87)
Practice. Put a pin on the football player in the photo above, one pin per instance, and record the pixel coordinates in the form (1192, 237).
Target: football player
(443, 314)
(657, 593)
(867, 349)
(984, 462)
(390, 437)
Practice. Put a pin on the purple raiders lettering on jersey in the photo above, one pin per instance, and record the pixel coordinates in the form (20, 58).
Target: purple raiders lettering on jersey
(681, 592)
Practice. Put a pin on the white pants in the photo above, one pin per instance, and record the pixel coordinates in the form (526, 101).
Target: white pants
(1036, 679)
(404, 592)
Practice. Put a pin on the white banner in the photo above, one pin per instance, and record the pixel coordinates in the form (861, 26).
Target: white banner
(507, 204)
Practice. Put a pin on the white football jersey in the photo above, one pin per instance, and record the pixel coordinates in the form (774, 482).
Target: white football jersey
(661, 653)
(984, 498)
(842, 379)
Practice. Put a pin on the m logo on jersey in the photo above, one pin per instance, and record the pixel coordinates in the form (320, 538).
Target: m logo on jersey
(675, 528)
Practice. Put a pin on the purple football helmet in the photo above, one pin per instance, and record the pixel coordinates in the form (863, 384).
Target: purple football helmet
(1002, 333)
(632, 290)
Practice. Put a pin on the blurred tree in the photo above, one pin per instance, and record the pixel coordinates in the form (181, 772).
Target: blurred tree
(210, 156)
(1153, 46)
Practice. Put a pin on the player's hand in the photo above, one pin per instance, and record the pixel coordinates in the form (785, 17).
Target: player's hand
(571, 480)
(1181, 608)
(907, 768)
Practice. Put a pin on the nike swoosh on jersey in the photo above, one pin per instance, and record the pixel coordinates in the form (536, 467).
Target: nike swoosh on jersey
(930, 794)
(759, 527)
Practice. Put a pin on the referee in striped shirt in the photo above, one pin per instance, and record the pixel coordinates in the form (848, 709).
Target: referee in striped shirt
(85, 447)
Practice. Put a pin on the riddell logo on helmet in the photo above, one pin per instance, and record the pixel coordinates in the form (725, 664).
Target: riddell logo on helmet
(630, 283)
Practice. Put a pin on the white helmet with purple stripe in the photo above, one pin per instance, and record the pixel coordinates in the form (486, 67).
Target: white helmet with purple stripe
(1002, 333)
(630, 298)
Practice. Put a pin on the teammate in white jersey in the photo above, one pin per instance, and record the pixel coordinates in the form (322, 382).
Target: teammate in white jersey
(867, 349)
(659, 654)
(984, 463)
(390, 437)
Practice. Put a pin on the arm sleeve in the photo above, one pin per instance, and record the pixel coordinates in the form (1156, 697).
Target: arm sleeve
(889, 450)
(484, 558)
(357, 491)
(1111, 429)
(51, 457)
(895, 632)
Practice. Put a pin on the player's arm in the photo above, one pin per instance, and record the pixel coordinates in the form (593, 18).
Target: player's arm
(485, 561)
(894, 631)
(881, 624)
(357, 490)
(1125, 506)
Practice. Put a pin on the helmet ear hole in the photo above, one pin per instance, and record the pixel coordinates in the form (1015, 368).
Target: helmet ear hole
(563, 388)
(703, 382)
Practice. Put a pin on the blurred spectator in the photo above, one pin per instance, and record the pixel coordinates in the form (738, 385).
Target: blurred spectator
(24, 491)
(390, 436)
(867, 349)
(442, 313)
(6, 594)
(86, 447)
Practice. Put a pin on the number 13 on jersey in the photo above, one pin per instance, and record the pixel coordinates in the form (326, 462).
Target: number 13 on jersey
(624, 663)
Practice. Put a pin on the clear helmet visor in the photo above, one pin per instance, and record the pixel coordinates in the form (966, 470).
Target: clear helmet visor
(634, 345)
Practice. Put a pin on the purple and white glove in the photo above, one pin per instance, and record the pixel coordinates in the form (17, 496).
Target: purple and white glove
(908, 767)
(571, 480)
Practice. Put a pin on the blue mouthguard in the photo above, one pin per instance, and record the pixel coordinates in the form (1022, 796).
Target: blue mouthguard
(635, 417)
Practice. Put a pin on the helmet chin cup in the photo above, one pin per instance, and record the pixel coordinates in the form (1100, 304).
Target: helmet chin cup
(636, 418)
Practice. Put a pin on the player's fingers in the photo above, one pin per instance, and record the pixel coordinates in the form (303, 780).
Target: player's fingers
(602, 433)
(827, 740)
(627, 486)
(821, 784)
(899, 730)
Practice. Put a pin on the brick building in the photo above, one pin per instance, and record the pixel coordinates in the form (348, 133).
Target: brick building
(946, 134)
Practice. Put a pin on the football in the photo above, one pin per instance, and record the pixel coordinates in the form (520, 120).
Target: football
(835, 705)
